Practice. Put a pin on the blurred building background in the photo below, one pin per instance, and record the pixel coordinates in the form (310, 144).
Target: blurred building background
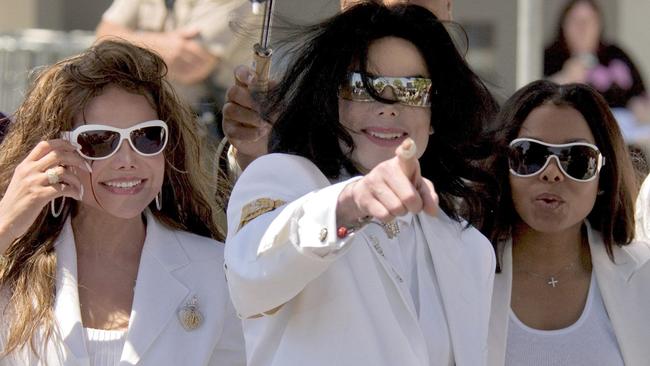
(506, 37)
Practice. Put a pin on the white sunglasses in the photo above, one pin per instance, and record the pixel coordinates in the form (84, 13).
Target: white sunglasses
(579, 161)
(97, 142)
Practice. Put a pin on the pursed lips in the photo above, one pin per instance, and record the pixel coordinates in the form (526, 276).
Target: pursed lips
(548, 201)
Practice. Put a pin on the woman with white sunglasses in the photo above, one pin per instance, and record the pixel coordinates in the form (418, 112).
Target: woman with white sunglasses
(572, 287)
(106, 223)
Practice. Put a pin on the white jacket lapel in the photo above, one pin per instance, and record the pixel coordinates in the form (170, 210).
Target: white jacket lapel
(624, 294)
(443, 238)
(66, 306)
(374, 236)
(159, 295)
(498, 330)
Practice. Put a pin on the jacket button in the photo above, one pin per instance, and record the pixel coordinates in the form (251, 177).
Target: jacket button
(323, 234)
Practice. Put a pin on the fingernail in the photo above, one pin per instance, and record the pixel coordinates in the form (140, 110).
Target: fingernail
(90, 170)
(81, 193)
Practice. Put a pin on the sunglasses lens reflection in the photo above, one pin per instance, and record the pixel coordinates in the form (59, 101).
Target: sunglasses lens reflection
(149, 140)
(98, 144)
(581, 162)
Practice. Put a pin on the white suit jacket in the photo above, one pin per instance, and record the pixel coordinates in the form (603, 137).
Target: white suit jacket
(625, 288)
(341, 299)
(174, 267)
(642, 212)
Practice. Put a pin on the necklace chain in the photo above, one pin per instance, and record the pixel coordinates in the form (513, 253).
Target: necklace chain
(552, 278)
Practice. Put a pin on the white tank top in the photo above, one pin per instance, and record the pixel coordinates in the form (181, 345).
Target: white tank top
(590, 341)
(104, 346)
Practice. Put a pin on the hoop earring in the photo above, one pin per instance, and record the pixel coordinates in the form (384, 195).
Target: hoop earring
(159, 201)
(56, 213)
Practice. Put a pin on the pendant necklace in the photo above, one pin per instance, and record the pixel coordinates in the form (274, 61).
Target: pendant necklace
(551, 280)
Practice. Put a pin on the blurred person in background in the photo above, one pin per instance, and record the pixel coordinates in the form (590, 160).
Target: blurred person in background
(579, 54)
(107, 219)
(194, 39)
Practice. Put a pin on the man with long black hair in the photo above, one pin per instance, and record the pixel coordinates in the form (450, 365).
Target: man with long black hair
(242, 123)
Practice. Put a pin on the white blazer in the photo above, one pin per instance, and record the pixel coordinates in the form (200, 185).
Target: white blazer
(342, 303)
(625, 288)
(174, 267)
(642, 212)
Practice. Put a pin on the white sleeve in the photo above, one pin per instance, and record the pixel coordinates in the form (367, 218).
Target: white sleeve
(270, 259)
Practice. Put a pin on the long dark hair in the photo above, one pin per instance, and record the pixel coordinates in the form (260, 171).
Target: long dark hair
(306, 102)
(613, 212)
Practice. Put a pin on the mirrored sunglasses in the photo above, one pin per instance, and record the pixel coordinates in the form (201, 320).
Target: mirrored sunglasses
(96, 142)
(411, 91)
(579, 161)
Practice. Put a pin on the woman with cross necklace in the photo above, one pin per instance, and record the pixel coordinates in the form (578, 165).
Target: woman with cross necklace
(572, 286)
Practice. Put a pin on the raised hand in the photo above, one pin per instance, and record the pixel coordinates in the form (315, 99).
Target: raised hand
(48, 172)
(242, 122)
(392, 188)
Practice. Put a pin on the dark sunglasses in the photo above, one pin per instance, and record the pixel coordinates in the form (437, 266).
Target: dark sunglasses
(411, 91)
(97, 142)
(579, 161)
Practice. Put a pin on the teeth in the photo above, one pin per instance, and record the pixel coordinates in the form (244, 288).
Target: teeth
(124, 184)
(385, 136)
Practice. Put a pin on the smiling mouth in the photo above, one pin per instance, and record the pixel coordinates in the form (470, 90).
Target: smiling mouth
(385, 135)
(124, 184)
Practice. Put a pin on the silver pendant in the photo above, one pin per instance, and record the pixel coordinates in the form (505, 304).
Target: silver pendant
(190, 316)
(552, 282)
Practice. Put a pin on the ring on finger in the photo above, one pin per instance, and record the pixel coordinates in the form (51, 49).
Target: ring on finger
(53, 176)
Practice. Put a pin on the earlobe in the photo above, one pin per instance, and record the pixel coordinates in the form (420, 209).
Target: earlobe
(431, 131)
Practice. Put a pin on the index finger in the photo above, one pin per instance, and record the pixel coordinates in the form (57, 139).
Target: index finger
(407, 159)
(44, 147)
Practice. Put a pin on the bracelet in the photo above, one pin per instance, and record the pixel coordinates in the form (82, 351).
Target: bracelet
(344, 231)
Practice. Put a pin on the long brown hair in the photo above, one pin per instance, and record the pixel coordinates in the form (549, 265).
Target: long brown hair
(613, 212)
(59, 92)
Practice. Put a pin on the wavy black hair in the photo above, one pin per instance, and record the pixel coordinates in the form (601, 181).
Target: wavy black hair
(306, 102)
(613, 212)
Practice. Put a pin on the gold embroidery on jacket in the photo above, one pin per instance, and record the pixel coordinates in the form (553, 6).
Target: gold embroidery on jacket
(256, 208)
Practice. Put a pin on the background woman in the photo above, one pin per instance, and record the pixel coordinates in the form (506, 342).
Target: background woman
(580, 55)
(328, 269)
(573, 286)
(105, 233)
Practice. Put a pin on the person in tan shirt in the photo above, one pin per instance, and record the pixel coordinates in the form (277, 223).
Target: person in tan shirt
(192, 36)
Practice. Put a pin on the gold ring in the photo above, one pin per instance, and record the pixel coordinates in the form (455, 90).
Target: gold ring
(52, 176)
